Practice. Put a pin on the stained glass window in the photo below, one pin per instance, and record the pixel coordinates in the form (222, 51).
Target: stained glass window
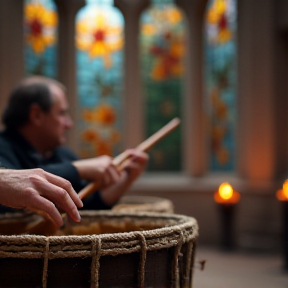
(40, 34)
(162, 49)
(99, 41)
(220, 82)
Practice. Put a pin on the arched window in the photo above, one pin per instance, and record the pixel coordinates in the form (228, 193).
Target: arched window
(220, 82)
(40, 34)
(162, 50)
(99, 42)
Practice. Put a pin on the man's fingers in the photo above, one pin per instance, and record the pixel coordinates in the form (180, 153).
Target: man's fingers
(37, 203)
(114, 174)
(66, 185)
(57, 195)
(110, 176)
(136, 156)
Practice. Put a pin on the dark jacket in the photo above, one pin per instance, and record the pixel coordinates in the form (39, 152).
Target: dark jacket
(17, 153)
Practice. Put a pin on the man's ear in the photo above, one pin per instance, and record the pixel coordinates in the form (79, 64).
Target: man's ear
(36, 114)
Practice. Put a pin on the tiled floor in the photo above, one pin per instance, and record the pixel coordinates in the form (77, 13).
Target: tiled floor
(239, 270)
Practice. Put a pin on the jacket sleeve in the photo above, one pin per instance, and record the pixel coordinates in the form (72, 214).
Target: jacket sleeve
(8, 158)
(67, 171)
(62, 166)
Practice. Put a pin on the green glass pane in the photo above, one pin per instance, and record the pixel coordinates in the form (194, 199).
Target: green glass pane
(220, 82)
(162, 49)
(99, 42)
(40, 36)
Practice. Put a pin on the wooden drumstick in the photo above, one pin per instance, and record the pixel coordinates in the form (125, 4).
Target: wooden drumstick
(45, 226)
(144, 146)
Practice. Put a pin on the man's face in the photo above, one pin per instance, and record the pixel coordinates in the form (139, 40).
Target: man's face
(57, 121)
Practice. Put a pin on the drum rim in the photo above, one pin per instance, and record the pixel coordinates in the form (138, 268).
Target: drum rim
(80, 245)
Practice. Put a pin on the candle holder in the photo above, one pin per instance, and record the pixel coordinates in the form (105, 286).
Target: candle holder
(227, 213)
(226, 199)
(282, 196)
(285, 233)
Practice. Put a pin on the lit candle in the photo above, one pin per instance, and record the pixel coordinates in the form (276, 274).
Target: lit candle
(226, 194)
(226, 198)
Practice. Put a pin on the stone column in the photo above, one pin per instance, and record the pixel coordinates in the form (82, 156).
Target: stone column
(194, 133)
(133, 100)
(281, 93)
(67, 10)
(11, 47)
(256, 92)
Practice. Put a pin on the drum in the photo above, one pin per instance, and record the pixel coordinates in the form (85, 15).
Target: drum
(16, 223)
(144, 203)
(107, 249)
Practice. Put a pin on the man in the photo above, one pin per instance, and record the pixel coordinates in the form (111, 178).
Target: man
(38, 190)
(36, 120)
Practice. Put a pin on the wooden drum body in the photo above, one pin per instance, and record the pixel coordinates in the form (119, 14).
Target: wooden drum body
(119, 250)
(144, 203)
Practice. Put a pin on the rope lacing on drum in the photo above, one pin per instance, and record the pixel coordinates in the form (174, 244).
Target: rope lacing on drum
(143, 244)
(45, 264)
(175, 272)
(95, 265)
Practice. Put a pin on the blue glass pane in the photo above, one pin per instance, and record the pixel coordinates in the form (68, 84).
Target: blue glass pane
(220, 82)
(99, 41)
(162, 49)
(40, 34)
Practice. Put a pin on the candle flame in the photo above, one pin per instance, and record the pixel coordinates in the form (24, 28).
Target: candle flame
(226, 194)
(226, 191)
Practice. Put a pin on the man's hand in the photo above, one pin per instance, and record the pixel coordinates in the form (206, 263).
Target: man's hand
(99, 169)
(135, 163)
(38, 190)
(131, 169)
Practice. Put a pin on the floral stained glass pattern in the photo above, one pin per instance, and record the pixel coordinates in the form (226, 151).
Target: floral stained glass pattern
(162, 46)
(40, 34)
(99, 41)
(220, 82)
